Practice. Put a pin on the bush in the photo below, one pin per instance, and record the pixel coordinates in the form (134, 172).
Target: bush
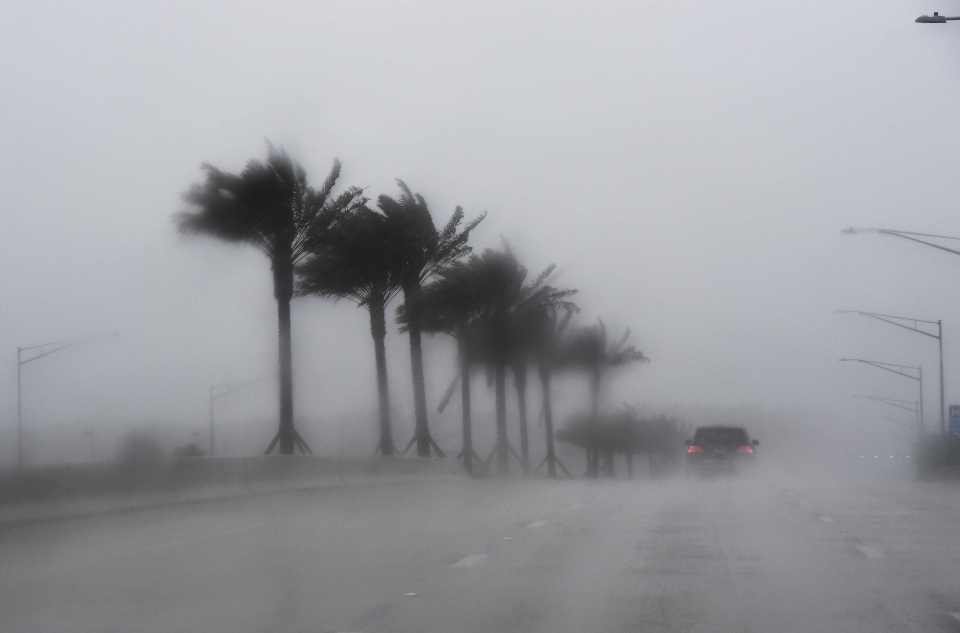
(140, 448)
(625, 432)
(189, 450)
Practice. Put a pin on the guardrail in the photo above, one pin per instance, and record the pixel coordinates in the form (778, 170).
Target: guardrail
(84, 489)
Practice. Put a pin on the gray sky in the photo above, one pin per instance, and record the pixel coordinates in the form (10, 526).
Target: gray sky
(687, 165)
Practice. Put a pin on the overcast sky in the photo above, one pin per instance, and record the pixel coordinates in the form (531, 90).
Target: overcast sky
(687, 165)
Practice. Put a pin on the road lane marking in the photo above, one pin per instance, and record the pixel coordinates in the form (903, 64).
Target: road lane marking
(473, 560)
(187, 540)
(868, 551)
(508, 538)
(825, 518)
(411, 594)
(536, 524)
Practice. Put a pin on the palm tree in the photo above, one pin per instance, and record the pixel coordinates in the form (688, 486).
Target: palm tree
(450, 305)
(544, 327)
(505, 304)
(498, 279)
(588, 349)
(533, 331)
(519, 369)
(270, 206)
(611, 433)
(419, 249)
(352, 261)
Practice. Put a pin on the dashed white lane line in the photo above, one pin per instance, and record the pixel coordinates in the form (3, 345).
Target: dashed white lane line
(869, 551)
(508, 538)
(473, 560)
(536, 524)
(411, 594)
(825, 518)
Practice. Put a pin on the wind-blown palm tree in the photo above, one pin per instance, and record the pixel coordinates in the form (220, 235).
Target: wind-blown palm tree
(420, 249)
(588, 349)
(498, 279)
(451, 305)
(532, 332)
(519, 370)
(544, 326)
(502, 302)
(270, 206)
(352, 261)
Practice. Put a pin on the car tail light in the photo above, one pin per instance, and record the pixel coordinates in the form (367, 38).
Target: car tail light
(694, 450)
(746, 449)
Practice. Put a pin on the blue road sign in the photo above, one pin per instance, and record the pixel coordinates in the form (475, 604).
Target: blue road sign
(954, 420)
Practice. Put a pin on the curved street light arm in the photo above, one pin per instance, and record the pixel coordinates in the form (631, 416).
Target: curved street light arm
(893, 368)
(899, 404)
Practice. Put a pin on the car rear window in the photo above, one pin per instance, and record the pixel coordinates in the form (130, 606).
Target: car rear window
(721, 435)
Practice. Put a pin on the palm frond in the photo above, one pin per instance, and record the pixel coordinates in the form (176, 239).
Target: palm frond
(348, 258)
(269, 204)
(418, 247)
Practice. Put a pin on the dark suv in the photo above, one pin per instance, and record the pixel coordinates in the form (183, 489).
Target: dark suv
(720, 449)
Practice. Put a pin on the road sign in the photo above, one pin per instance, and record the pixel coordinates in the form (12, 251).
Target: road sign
(954, 420)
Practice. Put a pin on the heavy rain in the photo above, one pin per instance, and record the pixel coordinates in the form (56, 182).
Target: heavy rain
(426, 316)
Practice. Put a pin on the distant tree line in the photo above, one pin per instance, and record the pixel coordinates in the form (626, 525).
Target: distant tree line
(334, 242)
(629, 434)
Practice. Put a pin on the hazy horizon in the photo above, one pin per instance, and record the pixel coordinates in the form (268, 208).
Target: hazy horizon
(688, 167)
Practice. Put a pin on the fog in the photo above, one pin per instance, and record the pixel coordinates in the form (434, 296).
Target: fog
(687, 166)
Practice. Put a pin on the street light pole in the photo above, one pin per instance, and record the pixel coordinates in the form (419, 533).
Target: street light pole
(898, 369)
(904, 322)
(943, 406)
(922, 238)
(936, 18)
(212, 387)
(905, 405)
(19, 408)
(27, 354)
(219, 391)
(922, 422)
(912, 236)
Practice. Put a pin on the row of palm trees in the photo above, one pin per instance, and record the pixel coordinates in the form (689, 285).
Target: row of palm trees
(336, 244)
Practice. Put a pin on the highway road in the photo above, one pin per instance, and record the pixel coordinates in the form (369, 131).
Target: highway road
(768, 554)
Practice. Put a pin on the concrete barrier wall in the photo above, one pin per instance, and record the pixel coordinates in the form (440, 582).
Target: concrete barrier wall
(85, 489)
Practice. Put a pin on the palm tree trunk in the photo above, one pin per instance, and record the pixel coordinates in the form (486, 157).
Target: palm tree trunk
(520, 382)
(593, 454)
(548, 419)
(500, 379)
(465, 403)
(378, 329)
(611, 465)
(421, 433)
(283, 290)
